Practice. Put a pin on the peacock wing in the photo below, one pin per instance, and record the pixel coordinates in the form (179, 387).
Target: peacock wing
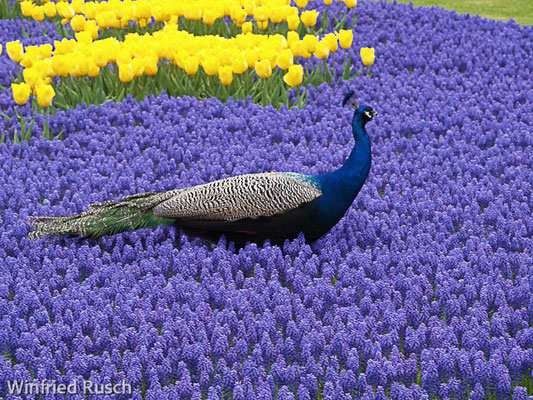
(239, 197)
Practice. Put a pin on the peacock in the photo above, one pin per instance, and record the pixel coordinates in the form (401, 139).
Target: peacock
(271, 205)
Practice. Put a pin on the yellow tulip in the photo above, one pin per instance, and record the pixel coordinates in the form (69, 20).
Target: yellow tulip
(65, 46)
(150, 66)
(263, 69)
(350, 3)
(210, 66)
(293, 22)
(238, 15)
(309, 18)
(79, 66)
(310, 42)
(301, 3)
(209, 16)
(77, 23)
(83, 37)
(247, 27)
(225, 74)
(21, 92)
(297, 48)
(99, 56)
(44, 67)
(123, 57)
(261, 13)
(60, 66)
(92, 28)
(251, 57)
(77, 5)
(367, 55)
(45, 94)
(191, 65)
(31, 75)
(106, 19)
(26, 7)
(44, 51)
(277, 14)
(285, 59)
(137, 65)
(322, 50)
(144, 10)
(294, 76)
(38, 13)
(27, 60)
(15, 50)
(159, 14)
(332, 42)
(0, 49)
(224, 57)
(171, 24)
(238, 63)
(292, 36)
(125, 72)
(94, 70)
(193, 13)
(65, 10)
(262, 25)
(271, 55)
(345, 38)
(328, 2)
(179, 57)
(89, 9)
(248, 6)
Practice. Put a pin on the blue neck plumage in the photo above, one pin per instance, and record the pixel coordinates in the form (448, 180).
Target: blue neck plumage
(345, 182)
(358, 163)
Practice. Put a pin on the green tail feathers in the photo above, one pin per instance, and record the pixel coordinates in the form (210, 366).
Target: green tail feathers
(108, 218)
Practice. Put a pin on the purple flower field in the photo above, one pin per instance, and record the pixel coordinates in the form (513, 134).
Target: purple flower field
(422, 291)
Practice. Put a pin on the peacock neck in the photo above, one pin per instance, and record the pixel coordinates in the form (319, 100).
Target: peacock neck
(358, 163)
(345, 182)
(340, 187)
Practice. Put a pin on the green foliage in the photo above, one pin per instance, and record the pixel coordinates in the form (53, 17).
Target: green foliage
(9, 12)
(520, 10)
(175, 82)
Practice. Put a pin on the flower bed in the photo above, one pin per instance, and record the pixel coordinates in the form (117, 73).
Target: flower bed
(423, 290)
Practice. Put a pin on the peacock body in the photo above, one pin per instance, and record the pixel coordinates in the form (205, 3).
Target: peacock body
(276, 205)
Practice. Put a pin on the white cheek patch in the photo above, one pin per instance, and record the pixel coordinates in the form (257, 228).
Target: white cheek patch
(367, 113)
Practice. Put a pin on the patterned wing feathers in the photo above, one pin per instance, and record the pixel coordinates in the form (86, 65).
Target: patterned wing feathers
(238, 197)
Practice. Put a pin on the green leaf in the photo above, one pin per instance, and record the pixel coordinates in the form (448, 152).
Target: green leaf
(46, 129)
(60, 135)
(340, 24)
(325, 22)
(23, 126)
(27, 135)
(24, 31)
(354, 20)
(347, 69)
(100, 95)
(6, 117)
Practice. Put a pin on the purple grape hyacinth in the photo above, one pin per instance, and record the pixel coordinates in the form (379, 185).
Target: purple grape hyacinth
(423, 290)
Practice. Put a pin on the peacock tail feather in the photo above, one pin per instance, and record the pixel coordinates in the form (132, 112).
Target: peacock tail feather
(107, 218)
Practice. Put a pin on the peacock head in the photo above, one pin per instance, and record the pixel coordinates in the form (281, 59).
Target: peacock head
(366, 112)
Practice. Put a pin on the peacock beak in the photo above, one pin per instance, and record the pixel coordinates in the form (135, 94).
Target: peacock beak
(374, 113)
